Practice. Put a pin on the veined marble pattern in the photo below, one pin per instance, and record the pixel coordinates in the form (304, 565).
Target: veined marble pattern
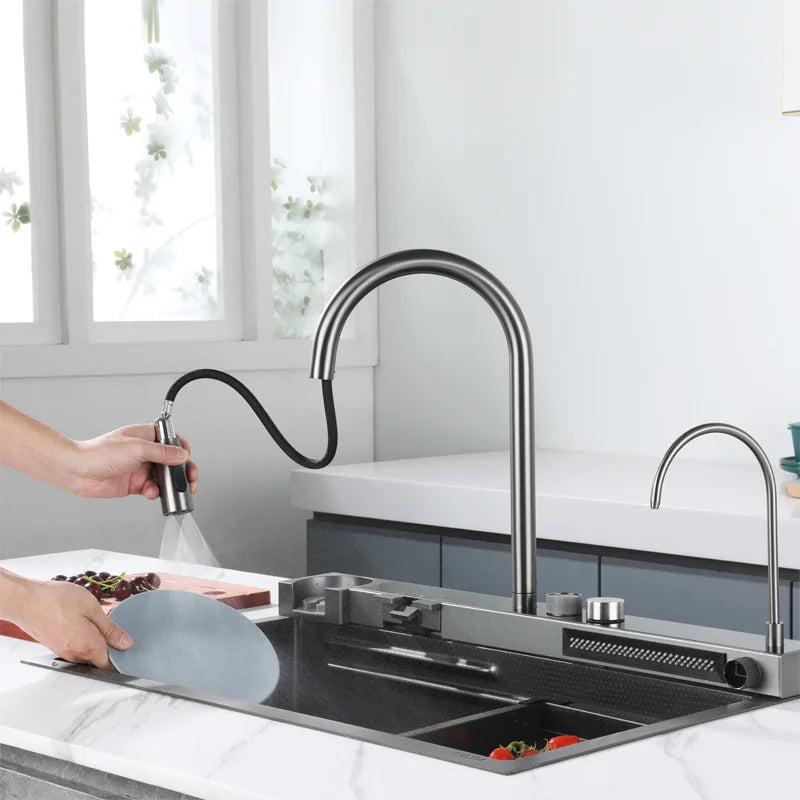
(215, 753)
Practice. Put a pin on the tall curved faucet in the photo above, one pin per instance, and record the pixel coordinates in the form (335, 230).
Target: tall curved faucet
(437, 262)
(774, 636)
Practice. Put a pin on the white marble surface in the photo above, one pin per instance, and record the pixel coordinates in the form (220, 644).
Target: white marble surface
(213, 753)
(708, 510)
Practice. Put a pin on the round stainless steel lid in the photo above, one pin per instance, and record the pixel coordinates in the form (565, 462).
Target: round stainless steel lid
(605, 610)
(564, 604)
(187, 640)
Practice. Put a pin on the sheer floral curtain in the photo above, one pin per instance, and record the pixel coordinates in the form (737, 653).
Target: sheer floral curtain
(16, 296)
(150, 115)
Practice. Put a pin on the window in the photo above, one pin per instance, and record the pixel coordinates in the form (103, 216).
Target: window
(152, 161)
(29, 306)
(192, 182)
(16, 299)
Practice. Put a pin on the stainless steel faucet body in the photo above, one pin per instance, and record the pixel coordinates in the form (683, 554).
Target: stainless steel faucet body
(774, 636)
(436, 262)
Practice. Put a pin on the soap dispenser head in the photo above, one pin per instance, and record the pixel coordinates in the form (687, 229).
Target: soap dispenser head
(173, 486)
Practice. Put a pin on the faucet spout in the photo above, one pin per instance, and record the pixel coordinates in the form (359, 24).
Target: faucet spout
(436, 262)
(774, 635)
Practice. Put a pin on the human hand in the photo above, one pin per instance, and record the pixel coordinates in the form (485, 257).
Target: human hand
(114, 465)
(63, 617)
(120, 463)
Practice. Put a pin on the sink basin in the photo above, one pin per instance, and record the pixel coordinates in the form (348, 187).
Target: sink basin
(453, 700)
(533, 723)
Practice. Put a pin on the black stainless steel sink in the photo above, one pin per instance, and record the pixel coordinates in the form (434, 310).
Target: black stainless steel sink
(457, 701)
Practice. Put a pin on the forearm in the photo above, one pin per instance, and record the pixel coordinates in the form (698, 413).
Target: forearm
(12, 591)
(33, 448)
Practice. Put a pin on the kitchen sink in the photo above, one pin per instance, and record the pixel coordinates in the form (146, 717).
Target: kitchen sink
(455, 700)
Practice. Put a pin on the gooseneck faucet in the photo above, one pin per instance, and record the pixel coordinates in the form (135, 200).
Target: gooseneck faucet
(774, 636)
(436, 262)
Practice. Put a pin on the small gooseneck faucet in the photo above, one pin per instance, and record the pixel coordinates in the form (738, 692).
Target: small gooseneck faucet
(436, 262)
(774, 637)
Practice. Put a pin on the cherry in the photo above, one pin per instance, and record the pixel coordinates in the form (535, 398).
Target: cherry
(106, 585)
(153, 579)
(123, 590)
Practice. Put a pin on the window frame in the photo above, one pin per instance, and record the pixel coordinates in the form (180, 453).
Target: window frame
(42, 169)
(81, 346)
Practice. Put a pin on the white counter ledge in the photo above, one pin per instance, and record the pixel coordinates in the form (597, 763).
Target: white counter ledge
(209, 752)
(708, 510)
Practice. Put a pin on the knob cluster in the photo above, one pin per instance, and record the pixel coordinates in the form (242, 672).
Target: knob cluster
(599, 610)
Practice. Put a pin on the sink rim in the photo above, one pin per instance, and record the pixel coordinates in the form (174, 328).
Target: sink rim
(402, 741)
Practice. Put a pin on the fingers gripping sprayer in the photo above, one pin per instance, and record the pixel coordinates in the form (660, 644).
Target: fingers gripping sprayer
(173, 486)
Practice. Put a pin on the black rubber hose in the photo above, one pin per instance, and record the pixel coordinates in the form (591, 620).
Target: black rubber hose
(266, 420)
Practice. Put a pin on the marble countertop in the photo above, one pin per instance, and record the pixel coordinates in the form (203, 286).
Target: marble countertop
(215, 753)
(708, 510)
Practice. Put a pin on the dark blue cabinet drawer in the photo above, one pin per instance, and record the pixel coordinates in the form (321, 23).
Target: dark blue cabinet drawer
(373, 551)
(485, 567)
(697, 596)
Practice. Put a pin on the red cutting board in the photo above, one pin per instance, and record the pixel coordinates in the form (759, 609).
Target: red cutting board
(232, 594)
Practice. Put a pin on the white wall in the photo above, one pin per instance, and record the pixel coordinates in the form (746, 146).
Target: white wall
(242, 505)
(623, 166)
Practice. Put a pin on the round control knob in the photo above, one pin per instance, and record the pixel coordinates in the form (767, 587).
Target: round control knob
(564, 604)
(605, 610)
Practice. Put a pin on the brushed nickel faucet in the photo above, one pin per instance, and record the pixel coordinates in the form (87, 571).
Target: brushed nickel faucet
(774, 635)
(437, 262)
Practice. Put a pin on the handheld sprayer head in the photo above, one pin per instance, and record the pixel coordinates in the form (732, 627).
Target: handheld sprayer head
(173, 487)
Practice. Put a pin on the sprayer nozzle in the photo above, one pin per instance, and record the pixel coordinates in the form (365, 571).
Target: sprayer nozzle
(173, 487)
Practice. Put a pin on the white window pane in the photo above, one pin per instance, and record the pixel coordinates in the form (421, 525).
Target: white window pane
(16, 276)
(150, 109)
(310, 120)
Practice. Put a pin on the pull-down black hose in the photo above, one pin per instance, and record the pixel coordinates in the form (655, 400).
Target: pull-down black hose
(266, 420)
